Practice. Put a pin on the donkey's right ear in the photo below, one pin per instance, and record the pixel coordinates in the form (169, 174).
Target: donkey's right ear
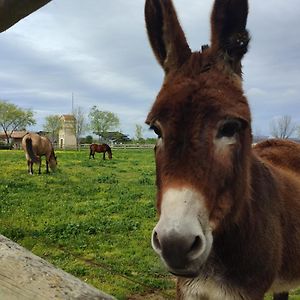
(165, 34)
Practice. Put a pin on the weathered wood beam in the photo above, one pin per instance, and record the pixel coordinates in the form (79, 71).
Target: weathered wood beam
(25, 276)
(12, 11)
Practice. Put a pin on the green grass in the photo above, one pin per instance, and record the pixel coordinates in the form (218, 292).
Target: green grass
(92, 218)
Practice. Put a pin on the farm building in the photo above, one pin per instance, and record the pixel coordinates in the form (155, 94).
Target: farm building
(15, 138)
(66, 135)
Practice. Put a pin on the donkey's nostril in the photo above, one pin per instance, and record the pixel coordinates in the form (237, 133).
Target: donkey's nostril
(156, 242)
(197, 244)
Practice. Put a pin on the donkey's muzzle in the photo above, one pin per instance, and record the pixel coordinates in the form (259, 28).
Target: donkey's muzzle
(178, 251)
(183, 237)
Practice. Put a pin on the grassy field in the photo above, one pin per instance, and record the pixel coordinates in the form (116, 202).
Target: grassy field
(92, 218)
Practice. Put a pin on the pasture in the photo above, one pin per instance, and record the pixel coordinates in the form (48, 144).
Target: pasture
(92, 218)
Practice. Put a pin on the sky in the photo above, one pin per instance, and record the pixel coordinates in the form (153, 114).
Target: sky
(98, 51)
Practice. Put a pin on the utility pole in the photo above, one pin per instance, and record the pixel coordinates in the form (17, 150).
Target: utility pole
(72, 103)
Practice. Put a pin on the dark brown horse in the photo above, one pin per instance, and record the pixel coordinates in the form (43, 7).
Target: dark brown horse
(229, 214)
(100, 148)
(35, 146)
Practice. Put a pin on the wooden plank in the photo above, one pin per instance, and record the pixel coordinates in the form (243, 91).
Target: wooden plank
(25, 276)
(12, 11)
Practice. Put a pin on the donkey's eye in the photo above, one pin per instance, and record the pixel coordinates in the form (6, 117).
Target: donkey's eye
(156, 130)
(229, 128)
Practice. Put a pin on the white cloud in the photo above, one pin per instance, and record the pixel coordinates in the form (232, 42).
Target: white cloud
(100, 52)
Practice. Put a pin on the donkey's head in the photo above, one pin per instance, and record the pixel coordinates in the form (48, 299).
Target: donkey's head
(202, 121)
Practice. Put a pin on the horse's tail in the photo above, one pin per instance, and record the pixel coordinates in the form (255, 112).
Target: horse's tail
(30, 152)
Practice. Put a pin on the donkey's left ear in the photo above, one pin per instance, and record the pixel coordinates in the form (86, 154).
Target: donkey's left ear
(229, 35)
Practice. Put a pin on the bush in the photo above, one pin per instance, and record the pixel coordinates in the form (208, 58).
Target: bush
(4, 146)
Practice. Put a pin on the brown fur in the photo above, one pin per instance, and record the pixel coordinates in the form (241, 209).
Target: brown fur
(35, 146)
(253, 193)
(102, 148)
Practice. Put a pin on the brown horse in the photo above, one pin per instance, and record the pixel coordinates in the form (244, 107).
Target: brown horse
(100, 148)
(35, 146)
(229, 214)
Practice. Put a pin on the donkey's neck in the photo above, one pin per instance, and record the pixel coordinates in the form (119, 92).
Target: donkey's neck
(264, 199)
(245, 240)
(254, 195)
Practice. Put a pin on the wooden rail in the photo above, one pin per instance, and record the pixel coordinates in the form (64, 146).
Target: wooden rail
(25, 276)
(123, 146)
(113, 146)
(12, 11)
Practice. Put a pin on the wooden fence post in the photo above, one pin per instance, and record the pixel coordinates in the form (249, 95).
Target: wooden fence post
(25, 276)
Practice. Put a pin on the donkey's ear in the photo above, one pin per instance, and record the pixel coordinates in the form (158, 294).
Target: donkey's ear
(165, 34)
(229, 35)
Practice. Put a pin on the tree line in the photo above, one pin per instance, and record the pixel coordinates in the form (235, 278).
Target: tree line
(103, 124)
(99, 122)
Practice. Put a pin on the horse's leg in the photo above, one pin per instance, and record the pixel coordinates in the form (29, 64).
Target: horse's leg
(104, 155)
(40, 163)
(281, 296)
(90, 154)
(47, 166)
(29, 167)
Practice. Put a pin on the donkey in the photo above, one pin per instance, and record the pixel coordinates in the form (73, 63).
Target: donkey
(36, 146)
(229, 213)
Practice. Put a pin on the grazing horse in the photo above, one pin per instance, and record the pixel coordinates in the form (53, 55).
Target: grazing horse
(100, 148)
(35, 146)
(229, 213)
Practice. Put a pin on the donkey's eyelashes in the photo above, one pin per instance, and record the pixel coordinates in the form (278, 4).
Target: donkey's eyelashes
(229, 128)
(156, 130)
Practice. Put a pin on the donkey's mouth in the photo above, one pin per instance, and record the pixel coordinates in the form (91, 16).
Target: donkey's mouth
(184, 274)
(189, 270)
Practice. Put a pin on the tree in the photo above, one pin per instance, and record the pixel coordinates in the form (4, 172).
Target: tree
(102, 121)
(52, 126)
(87, 140)
(116, 137)
(79, 124)
(139, 132)
(283, 127)
(14, 118)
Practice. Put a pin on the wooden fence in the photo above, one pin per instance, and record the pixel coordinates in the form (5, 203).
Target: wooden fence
(25, 276)
(113, 146)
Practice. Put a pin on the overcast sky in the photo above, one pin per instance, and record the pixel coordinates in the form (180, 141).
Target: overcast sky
(98, 50)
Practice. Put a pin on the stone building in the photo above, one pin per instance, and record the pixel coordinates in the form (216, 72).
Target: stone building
(66, 135)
